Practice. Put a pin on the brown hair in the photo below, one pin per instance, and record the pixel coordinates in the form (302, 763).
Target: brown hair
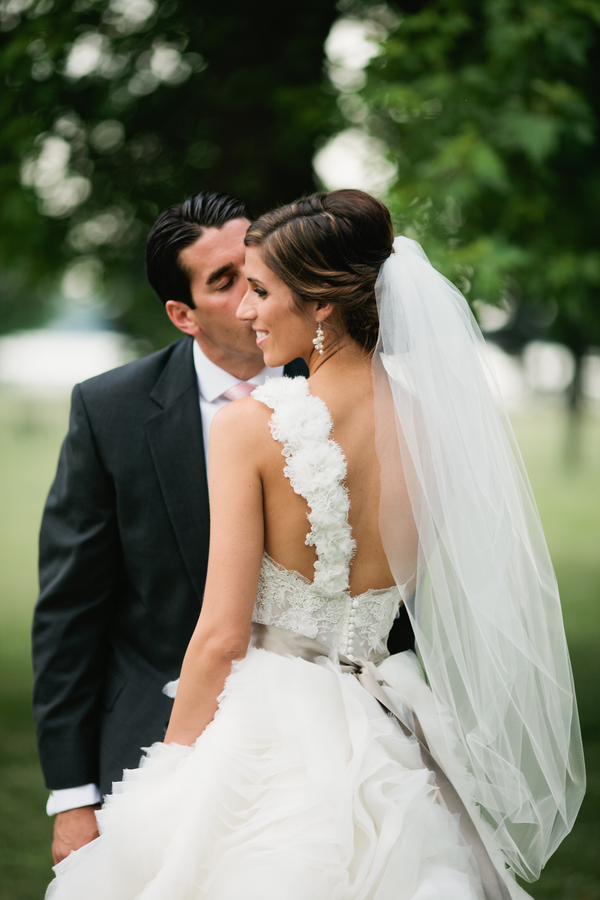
(328, 248)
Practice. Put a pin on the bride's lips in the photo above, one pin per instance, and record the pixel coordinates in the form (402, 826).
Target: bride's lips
(261, 336)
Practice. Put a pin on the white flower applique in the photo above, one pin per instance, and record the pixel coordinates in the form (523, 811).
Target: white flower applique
(316, 468)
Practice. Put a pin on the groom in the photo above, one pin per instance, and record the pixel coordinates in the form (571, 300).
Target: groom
(124, 537)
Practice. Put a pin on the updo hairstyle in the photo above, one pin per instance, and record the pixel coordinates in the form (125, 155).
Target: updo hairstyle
(328, 248)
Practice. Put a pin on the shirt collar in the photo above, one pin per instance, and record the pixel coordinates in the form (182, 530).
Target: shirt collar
(214, 381)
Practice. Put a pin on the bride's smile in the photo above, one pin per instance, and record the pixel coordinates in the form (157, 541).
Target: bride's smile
(283, 330)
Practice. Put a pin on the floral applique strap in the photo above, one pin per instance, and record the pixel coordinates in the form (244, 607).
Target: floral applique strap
(316, 468)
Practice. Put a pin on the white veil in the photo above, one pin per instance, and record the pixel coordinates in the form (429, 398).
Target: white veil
(483, 598)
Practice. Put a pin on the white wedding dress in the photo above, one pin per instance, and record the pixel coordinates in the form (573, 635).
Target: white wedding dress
(302, 787)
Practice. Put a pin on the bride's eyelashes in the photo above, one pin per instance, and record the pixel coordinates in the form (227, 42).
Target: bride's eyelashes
(261, 293)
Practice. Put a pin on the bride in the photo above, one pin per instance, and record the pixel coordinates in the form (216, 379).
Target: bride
(301, 761)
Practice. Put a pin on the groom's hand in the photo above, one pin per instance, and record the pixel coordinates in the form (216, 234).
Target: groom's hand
(72, 829)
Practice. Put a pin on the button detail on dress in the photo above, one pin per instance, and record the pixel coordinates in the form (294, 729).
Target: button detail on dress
(351, 627)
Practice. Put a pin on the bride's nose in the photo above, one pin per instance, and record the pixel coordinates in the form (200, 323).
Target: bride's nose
(245, 310)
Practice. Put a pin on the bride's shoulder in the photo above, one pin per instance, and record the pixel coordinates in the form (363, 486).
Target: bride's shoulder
(242, 418)
(282, 408)
(246, 421)
(239, 435)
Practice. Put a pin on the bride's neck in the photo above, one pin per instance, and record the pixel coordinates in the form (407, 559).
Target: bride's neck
(342, 359)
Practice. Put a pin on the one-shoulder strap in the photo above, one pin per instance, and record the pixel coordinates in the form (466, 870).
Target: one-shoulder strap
(316, 468)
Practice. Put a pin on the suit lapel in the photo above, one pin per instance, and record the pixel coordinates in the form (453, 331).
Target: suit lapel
(174, 433)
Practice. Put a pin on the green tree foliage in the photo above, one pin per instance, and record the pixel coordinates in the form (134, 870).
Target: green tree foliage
(115, 109)
(490, 111)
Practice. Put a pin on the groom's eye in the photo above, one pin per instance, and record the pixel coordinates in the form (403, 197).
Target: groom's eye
(227, 285)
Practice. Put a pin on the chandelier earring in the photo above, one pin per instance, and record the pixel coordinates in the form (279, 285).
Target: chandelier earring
(318, 341)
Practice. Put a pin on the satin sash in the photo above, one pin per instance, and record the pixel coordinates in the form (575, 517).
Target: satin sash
(287, 643)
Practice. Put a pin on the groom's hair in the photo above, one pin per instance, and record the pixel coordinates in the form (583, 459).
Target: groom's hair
(178, 227)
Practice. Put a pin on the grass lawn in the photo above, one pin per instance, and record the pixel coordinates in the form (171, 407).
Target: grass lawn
(30, 436)
(569, 502)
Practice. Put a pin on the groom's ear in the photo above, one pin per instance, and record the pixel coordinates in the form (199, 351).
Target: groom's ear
(181, 315)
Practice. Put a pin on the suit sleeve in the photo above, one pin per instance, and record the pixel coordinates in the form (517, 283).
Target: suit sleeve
(80, 568)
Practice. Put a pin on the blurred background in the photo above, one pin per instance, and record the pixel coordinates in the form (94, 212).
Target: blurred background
(477, 122)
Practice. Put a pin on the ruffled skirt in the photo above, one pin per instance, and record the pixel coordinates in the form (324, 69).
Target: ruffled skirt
(301, 788)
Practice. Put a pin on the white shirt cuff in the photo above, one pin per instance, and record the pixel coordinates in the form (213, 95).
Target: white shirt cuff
(73, 798)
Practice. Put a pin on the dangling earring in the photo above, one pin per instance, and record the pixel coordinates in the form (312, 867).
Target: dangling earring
(318, 341)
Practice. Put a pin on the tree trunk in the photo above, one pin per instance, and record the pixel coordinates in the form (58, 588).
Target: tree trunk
(574, 415)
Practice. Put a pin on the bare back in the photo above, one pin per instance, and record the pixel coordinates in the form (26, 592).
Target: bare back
(348, 395)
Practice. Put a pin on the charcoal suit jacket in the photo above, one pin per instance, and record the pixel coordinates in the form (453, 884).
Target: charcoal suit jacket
(123, 558)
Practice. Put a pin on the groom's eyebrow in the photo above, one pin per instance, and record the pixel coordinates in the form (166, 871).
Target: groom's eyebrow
(214, 276)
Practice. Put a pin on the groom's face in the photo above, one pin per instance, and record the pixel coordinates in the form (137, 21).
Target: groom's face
(215, 267)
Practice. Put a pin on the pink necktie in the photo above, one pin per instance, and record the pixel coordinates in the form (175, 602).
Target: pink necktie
(243, 389)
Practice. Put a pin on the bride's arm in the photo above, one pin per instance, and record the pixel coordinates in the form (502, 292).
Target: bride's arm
(236, 546)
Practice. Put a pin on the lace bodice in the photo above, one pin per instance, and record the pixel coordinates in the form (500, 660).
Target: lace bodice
(322, 609)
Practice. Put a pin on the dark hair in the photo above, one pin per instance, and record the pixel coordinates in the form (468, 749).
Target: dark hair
(178, 227)
(328, 248)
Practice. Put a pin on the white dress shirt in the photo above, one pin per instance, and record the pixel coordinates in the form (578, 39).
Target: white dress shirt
(212, 383)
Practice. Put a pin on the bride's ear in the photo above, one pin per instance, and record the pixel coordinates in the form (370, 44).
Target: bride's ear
(323, 311)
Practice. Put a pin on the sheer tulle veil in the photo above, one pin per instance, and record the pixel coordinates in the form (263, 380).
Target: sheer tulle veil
(477, 578)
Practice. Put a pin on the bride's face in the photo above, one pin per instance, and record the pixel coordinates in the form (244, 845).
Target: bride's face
(283, 333)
